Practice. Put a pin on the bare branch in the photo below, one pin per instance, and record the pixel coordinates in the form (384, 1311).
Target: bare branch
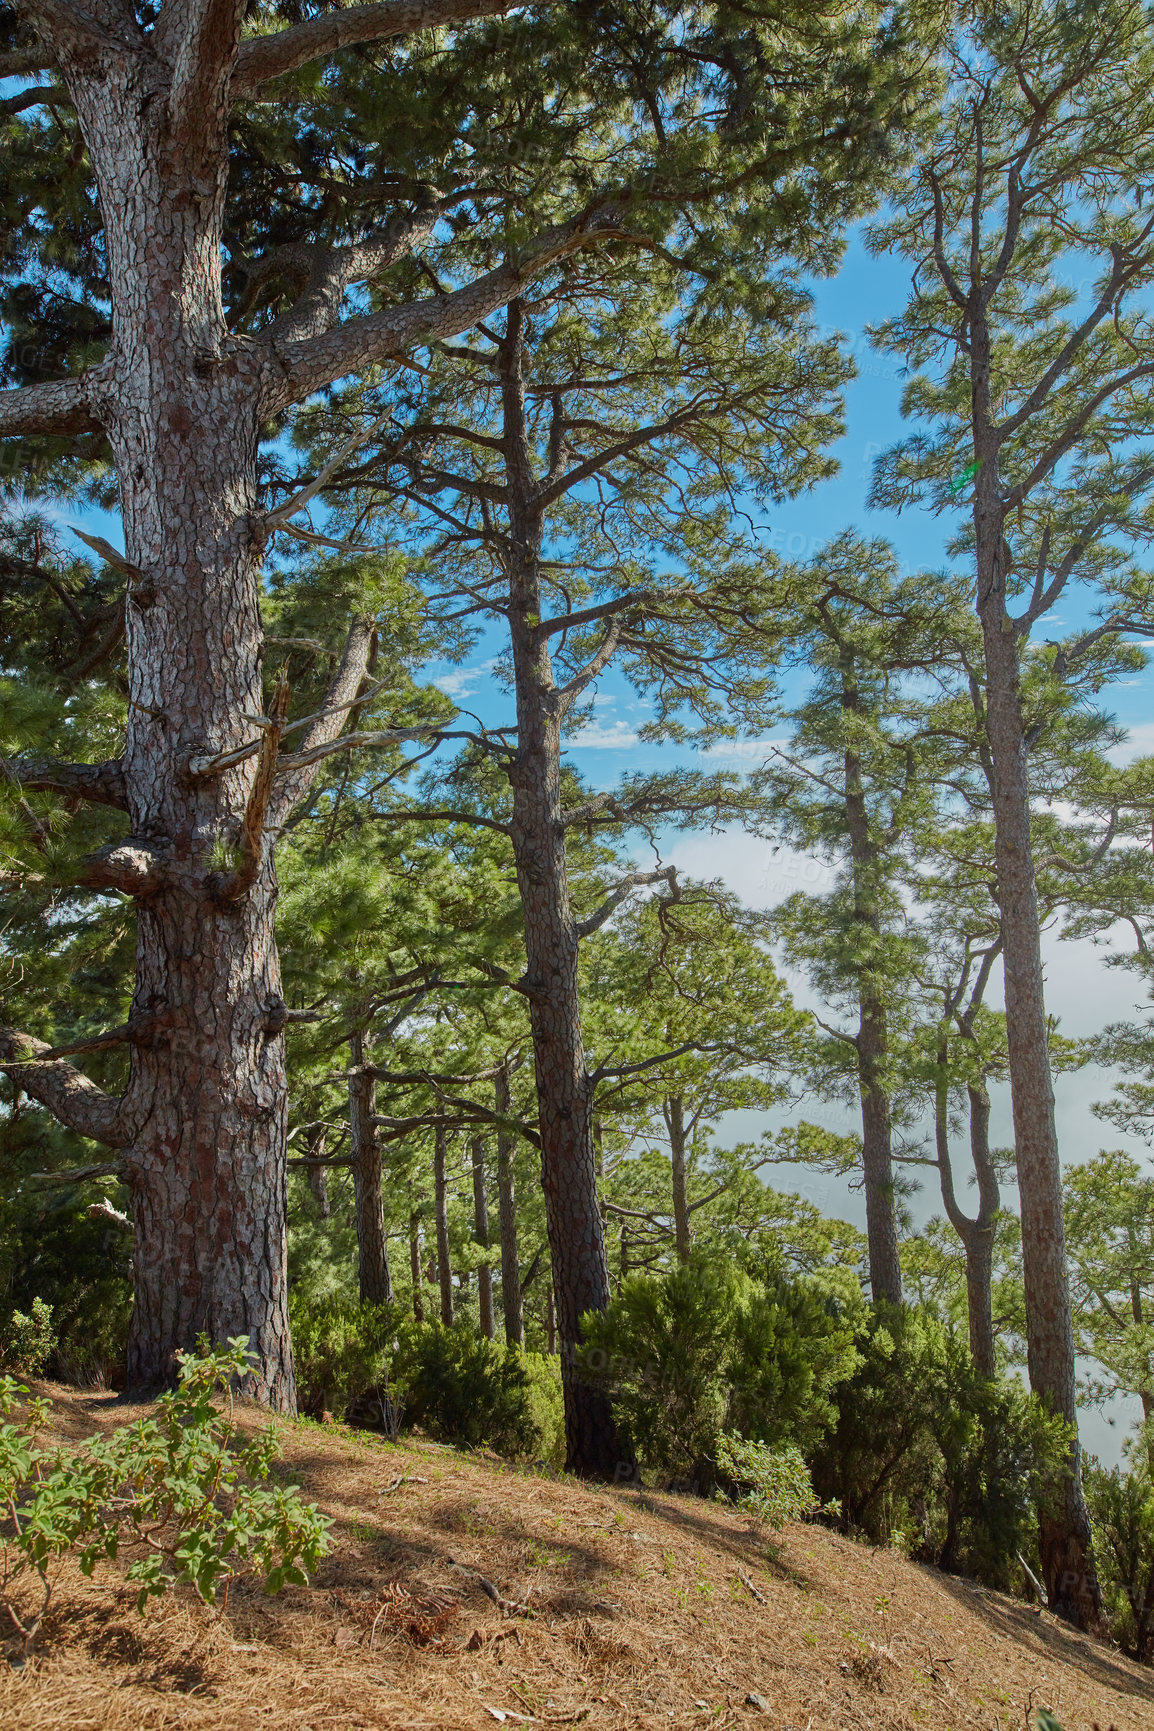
(103, 1210)
(265, 57)
(98, 783)
(230, 886)
(133, 867)
(667, 874)
(55, 408)
(68, 1095)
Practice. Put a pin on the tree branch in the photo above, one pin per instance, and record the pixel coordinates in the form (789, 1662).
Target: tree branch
(310, 365)
(98, 783)
(55, 408)
(265, 57)
(68, 1095)
(667, 874)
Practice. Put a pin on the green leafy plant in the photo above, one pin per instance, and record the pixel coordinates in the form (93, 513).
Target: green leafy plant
(183, 1485)
(462, 1388)
(705, 1349)
(27, 1340)
(1121, 1505)
(773, 1480)
(342, 1351)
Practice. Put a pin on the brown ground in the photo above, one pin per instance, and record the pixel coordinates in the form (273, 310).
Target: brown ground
(637, 1616)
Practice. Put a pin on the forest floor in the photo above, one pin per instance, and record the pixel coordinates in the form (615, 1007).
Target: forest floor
(633, 1609)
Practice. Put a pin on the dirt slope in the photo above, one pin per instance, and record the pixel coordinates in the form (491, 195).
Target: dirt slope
(640, 1610)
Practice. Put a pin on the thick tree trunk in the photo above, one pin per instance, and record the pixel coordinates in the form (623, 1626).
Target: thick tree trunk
(1066, 1555)
(441, 1214)
(415, 1265)
(565, 1106)
(675, 1123)
(180, 401)
(481, 1234)
(376, 1285)
(512, 1303)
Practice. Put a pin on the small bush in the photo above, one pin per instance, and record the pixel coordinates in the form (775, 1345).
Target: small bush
(774, 1483)
(27, 1341)
(1121, 1507)
(462, 1388)
(343, 1352)
(928, 1455)
(705, 1349)
(181, 1482)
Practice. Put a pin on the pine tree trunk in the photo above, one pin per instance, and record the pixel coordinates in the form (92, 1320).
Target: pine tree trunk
(565, 1106)
(181, 404)
(481, 1234)
(376, 1285)
(441, 1211)
(415, 1266)
(977, 1235)
(675, 1123)
(872, 1042)
(512, 1303)
(1066, 1555)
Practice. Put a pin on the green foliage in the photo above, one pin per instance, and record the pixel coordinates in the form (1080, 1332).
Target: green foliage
(461, 1388)
(929, 1455)
(185, 1483)
(1121, 1504)
(26, 1340)
(775, 1483)
(342, 1351)
(706, 1348)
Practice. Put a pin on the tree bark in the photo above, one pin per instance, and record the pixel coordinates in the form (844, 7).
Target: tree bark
(415, 1265)
(675, 1123)
(512, 1304)
(872, 1040)
(481, 1234)
(376, 1285)
(179, 400)
(1065, 1541)
(977, 1234)
(441, 1213)
(565, 1105)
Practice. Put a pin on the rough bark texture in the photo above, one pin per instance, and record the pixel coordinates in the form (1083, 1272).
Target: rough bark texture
(415, 1265)
(182, 403)
(512, 1304)
(675, 1123)
(441, 1213)
(481, 1234)
(576, 1236)
(1066, 1554)
(376, 1286)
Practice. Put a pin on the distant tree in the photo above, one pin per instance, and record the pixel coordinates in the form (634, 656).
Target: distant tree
(1037, 409)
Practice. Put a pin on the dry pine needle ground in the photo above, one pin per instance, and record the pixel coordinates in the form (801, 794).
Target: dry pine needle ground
(618, 1609)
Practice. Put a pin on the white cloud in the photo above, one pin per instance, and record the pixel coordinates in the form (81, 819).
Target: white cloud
(458, 682)
(1139, 743)
(611, 736)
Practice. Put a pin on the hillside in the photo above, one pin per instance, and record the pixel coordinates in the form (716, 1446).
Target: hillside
(625, 1609)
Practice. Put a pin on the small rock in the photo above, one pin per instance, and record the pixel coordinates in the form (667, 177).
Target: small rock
(758, 1701)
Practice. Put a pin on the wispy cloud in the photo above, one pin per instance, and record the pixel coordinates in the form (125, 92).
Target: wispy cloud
(614, 736)
(462, 681)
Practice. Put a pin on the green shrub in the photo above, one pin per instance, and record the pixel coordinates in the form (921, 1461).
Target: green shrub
(27, 1341)
(183, 1481)
(927, 1454)
(546, 1405)
(1121, 1504)
(773, 1483)
(343, 1352)
(462, 1388)
(705, 1349)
